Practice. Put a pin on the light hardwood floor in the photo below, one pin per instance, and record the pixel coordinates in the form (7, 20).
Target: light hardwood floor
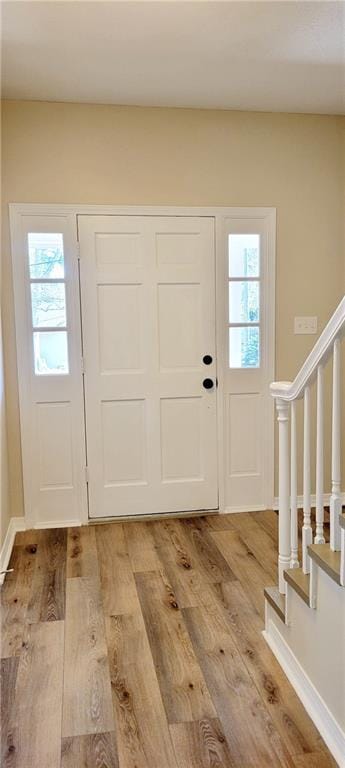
(139, 645)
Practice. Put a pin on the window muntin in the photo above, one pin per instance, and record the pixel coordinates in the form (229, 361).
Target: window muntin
(48, 303)
(46, 257)
(50, 352)
(244, 344)
(244, 255)
(244, 300)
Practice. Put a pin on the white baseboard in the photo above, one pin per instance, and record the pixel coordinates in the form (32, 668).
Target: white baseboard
(244, 508)
(57, 524)
(316, 707)
(326, 500)
(15, 524)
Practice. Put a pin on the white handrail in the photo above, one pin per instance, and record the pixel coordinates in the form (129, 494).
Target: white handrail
(288, 390)
(286, 393)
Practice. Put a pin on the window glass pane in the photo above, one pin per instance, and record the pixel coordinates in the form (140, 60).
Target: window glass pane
(50, 352)
(244, 301)
(46, 255)
(244, 347)
(244, 255)
(48, 302)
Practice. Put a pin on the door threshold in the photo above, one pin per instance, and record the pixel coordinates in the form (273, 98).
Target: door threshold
(152, 516)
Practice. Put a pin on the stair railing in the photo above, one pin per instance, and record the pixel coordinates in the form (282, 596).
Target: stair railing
(286, 395)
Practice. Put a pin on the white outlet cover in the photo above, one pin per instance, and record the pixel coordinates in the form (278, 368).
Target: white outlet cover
(305, 325)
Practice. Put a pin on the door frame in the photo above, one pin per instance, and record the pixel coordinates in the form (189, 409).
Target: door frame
(221, 215)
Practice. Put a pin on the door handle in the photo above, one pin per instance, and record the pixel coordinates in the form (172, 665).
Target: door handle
(207, 359)
(207, 383)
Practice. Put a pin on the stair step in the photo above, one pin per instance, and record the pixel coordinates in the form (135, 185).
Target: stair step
(328, 560)
(276, 600)
(299, 581)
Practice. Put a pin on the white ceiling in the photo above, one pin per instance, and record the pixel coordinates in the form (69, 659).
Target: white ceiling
(272, 56)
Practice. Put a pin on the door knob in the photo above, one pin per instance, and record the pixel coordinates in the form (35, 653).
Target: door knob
(207, 359)
(207, 383)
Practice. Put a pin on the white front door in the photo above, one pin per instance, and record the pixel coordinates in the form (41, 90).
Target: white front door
(148, 320)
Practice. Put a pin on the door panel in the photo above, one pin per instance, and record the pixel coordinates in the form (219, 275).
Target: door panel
(244, 455)
(55, 456)
(124, 442)
(148, 315)
(120, 316)
(180, 438)
(180, 344)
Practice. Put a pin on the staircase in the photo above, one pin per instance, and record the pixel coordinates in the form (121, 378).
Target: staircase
(305, 614)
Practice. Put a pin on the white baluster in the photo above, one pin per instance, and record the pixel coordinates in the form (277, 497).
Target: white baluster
(319, 537)
(307, 534)
(335, 503)
(293, 502)
(284, 492)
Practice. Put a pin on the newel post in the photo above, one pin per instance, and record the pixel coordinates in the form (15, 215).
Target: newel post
(283, 415)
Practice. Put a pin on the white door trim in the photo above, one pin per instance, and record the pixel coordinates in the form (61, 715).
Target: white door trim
(268, 214)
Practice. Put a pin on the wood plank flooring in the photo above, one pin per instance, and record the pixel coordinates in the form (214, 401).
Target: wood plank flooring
(139, 645)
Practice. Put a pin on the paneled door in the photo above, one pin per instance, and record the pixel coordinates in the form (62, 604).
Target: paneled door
(148, 323)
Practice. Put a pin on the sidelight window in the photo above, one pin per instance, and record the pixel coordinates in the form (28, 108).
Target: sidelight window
(48, 303)
(244, 300)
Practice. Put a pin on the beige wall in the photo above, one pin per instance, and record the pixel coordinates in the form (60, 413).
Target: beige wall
(78, 153)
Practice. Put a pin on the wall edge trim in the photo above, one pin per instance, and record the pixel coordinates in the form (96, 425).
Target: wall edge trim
(15, 524)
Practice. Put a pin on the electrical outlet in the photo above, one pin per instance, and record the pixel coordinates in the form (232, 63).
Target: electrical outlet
(305, 325)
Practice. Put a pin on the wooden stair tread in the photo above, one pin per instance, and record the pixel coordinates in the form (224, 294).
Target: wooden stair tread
(328, 560)
(276, 600)
(299, 581)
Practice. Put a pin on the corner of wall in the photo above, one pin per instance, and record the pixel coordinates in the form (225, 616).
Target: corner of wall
(5, 515)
